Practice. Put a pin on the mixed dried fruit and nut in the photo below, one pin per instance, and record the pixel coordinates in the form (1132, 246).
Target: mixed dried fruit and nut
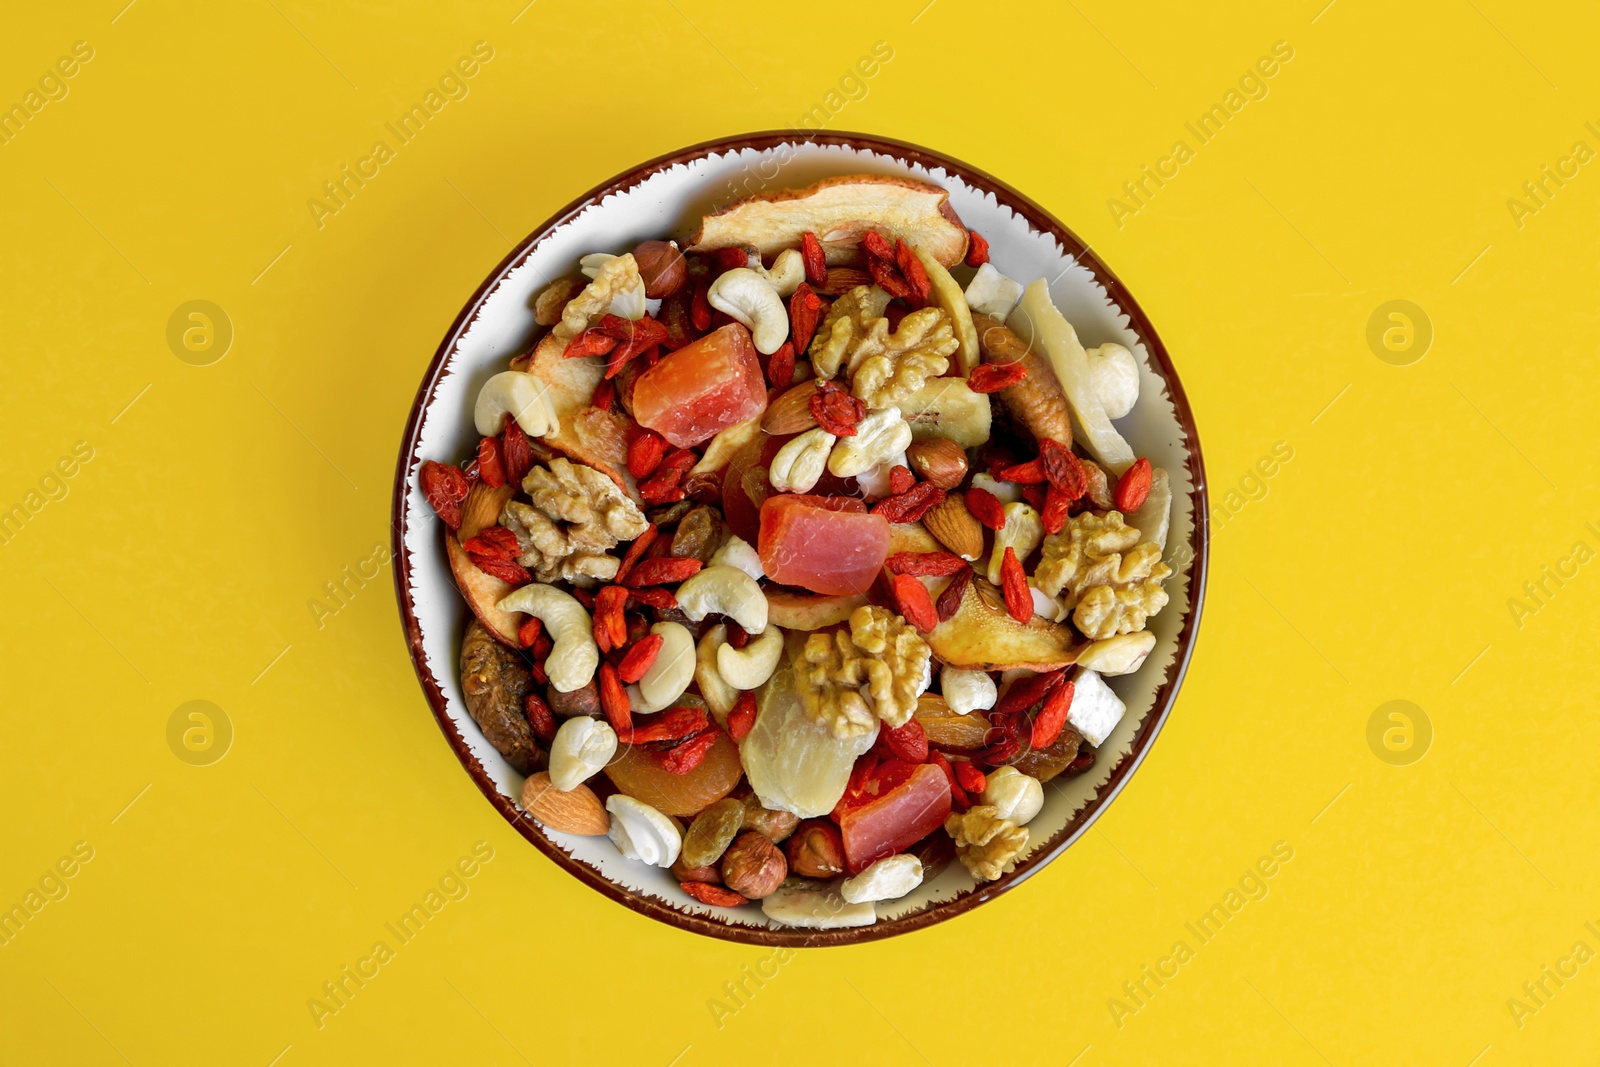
(796, 565)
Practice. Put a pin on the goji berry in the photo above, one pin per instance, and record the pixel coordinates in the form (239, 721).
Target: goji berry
(718, 896)
(970, 778)
(900, 479)
(674, 724)
(1029, 473)
(1026, 692)
(916, 606)
(726, 259)
(743, 716)
(912, 504)
(645, 454)
(907, 741)
(1053, 514)
(517, 452)
(504, 569)
(610, 628)
(1062, 469)
(604, 394)
(1000, 753)
(949, 601)
(993, 377)
(445, 487)
(805, 308)
(584, 597)
(637, 549)
(686, 756)
(492, 542)
(876, 246)
(815, 259)
(542, 646)
(780, 366)
(1052, 717)
(1034, 495)
(977, 249)
(887, 278)
(1133, 487)
(926, 564)
(738, 636)
(490, 468)
(640, 658)
(700, 307)
(662, 571)
(1014, 582)
(529, 632)
(835, 410)
(614, 700)
(659, 599)
(591, 342)
(539, 717)
(916, 274)
(985, 507)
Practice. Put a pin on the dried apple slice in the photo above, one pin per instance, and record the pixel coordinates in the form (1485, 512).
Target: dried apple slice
(483, 592)
(840, 211)
(588, 435)
(1038, 322)
(803, 611)
(982, 636)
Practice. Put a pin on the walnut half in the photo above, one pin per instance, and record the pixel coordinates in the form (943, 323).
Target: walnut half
(987, 845)
(577, 516)
(848, 680)
(1097, 566)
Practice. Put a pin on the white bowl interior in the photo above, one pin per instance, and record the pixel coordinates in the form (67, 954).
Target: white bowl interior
(671, 202)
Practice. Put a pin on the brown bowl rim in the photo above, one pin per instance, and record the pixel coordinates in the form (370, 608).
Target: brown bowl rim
(1166, 694)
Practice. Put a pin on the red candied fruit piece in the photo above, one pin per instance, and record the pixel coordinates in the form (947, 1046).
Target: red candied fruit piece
(828, 545)
(702, 389)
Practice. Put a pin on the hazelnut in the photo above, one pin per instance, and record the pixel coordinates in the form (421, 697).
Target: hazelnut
(662, 267)
(938, 460)
(753, 865)
(816, 851)
(776, 826)
(584, 700)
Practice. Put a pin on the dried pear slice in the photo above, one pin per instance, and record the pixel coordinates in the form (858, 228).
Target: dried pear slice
(840, 211)
(982, 636)
(912, 537)
(947, 291)
(807, 612)
(1037, 322)
(794, 762)
(587, 435)
(1155, 515)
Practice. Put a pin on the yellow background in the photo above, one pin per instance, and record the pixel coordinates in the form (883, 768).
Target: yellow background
(1377, 566)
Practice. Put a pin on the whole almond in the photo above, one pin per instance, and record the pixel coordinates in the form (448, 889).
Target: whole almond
(938, 460)
(843, 279)
(955, 527)
(791, 412)
(577, 811)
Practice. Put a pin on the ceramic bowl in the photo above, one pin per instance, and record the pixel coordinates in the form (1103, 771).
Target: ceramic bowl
(666, 197)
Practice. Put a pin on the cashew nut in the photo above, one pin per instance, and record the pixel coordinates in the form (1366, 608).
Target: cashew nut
(581, 748)
(737, 552)
(752, 300)
(876, 483)
(725, 590)
(518, 394)
(642, 833)
(629, 303)
(799, 463)
(1121, 654)
(718, 694)
(1114, 376)
(786, 272)
(966, 691)
(573, 655)
(1023, 531)
(750, 666)
(879, 437)
(669, 676)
